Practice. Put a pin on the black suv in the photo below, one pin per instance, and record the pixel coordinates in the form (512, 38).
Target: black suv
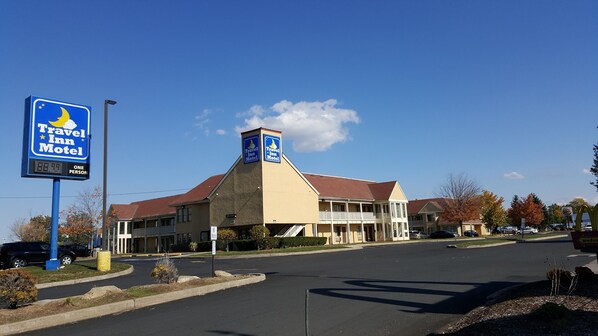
(20, 254)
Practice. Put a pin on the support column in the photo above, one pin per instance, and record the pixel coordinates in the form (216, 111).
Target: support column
(145, 236)
(349, 238)
(362, 228)
(332, 237)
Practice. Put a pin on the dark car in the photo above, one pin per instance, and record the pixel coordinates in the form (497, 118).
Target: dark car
(470, 233)
(80, 250)
(21, 254)
(442, 234)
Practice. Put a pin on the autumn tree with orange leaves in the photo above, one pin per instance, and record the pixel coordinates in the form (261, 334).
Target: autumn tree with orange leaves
(529, 209)
(462, 196)
(83, 217)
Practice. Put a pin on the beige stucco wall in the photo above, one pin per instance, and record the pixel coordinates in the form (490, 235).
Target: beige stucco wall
(398, 194)
(239, 193)
(288, 198)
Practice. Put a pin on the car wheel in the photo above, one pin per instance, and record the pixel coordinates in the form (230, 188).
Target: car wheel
(18, 263)
(66, 259)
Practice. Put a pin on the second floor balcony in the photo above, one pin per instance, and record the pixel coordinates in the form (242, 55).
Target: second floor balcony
(352, 217)
(154, 231)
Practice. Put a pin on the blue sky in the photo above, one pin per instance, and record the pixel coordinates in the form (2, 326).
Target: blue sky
(503, 91)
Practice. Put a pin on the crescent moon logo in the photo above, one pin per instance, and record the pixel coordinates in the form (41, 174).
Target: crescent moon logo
(63, 118)
(64, 121)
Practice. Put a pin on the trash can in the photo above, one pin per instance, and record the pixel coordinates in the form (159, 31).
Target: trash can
(103, 261)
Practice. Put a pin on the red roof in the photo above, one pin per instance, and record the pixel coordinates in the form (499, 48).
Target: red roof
(124, 211)
(200, 192)
(346, 188)
(155, 207)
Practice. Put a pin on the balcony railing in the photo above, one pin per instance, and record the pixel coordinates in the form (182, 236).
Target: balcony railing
(327, 216)
(154, 231)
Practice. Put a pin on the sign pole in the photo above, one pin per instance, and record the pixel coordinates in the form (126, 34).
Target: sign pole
(53, 263)
(213, 238)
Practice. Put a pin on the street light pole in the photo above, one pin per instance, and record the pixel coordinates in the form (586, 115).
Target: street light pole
(105, 242)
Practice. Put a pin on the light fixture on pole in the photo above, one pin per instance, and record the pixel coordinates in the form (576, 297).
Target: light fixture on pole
(105, 243)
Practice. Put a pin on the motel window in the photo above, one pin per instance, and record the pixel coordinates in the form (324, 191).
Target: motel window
(367, 208)
(430, 217)
(338, 207)
(404, 209)
(121, 227)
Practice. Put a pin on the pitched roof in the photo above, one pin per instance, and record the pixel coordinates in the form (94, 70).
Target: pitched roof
(383, 190)
(415, 206)
(145, 209)
(346, 188)
(200, 192)
(124, 211)
(155, 207)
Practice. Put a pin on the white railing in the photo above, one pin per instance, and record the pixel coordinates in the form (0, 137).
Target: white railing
(327, 216)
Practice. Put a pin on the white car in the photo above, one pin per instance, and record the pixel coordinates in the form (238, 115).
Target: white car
(528, 230)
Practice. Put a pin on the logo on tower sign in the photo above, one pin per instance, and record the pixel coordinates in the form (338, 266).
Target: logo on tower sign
(59, 130)
(251, 149)
(271, 148)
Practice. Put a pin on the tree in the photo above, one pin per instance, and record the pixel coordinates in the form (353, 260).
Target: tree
(259, 234)
(594, 168)
(538, 201)
(227, 235)
(577, 203)
(77, 229)
(555, 214)
(84, 216)
(36, 228)
(463, 201)
(526, 209)
(492, 212)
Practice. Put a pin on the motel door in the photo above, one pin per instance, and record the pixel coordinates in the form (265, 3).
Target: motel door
(341, 234)
(369, 232)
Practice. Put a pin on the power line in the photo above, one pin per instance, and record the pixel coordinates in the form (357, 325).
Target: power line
(116, 194)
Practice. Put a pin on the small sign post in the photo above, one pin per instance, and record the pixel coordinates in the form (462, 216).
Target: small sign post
(213, 238)
(522, 227)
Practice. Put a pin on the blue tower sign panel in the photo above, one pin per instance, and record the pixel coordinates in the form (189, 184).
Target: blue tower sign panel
(56, 139)
(251, 149)
(271, 148)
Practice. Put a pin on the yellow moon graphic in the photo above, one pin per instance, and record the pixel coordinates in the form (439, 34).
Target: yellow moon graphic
(62, 120)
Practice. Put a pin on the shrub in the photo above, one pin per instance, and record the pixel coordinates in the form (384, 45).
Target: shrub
(165, 271)
(259, 233)
(302, 241)
(551, 311)
(585, 274)
(17, 287)
(227, 235)
(193, 246)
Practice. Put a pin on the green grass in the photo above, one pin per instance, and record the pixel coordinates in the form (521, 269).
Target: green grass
(271, 251)
(74, 271)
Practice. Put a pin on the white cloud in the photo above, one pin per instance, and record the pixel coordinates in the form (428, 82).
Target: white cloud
(587, 171)
(201, 121)
(220, 132)
(514, 176)
(310, 126)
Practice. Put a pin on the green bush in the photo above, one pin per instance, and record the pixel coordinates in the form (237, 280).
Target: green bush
(17, 288)
(585, 274)
(193, 246)
(302, 241)
(551, 311)
(165, 271)
(259, 233)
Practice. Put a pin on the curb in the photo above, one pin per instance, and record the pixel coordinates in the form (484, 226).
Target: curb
(82, 280)
(121, 306)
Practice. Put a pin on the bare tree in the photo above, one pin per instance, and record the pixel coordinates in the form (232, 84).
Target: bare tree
(84, 216)
(18, 228)
(463, 199)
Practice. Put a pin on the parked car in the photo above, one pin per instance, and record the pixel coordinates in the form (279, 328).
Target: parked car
(442, 234)
(21, 254)
(470, 233)
(417, 235)
(506, 229)
(78, 249)
(528, 230)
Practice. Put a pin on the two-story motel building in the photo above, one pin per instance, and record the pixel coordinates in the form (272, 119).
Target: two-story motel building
(263, 187)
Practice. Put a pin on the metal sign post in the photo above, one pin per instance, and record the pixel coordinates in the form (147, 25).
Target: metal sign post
(213, 238)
